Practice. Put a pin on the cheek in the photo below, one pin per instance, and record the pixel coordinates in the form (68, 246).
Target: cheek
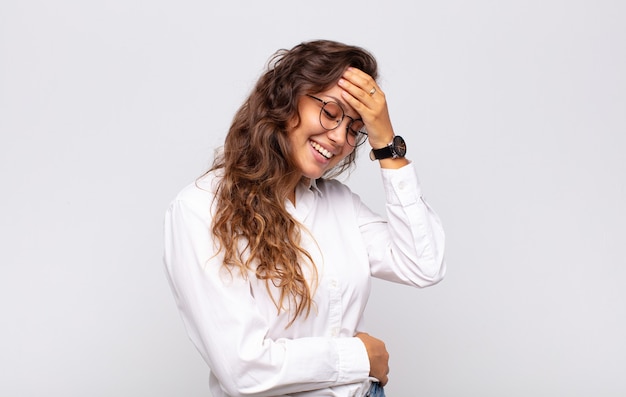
(345, 152)
(304, 124)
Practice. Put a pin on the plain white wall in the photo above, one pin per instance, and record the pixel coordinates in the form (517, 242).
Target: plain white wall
(514, 112)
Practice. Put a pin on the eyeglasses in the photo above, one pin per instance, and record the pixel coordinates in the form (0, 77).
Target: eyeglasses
(331, 117)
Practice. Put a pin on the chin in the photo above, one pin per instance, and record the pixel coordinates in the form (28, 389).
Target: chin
(313, 176)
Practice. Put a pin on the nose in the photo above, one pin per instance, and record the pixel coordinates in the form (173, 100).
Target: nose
(338, 135)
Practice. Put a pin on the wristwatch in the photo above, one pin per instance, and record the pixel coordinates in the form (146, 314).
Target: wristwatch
(397, 148)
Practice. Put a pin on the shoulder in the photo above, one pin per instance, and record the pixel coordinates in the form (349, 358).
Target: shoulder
(199, 194)
(336, 192)
(332, 186)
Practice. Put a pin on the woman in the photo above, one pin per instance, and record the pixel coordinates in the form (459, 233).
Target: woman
(270, 259)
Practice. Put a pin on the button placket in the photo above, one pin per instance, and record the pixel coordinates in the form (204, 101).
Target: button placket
(335, 312)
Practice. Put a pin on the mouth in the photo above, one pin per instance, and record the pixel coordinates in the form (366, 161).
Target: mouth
(321, 150)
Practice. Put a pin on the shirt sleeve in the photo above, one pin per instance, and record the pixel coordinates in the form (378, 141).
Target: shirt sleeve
(222, 319)
(408, 247)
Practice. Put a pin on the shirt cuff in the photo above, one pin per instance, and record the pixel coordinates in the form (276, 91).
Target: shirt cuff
(354, 363)
(402, 186)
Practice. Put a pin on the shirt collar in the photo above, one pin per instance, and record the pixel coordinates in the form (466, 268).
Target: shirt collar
(313, 187)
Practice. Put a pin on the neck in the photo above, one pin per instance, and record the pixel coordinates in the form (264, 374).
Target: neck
(292, 195)
(292, 198)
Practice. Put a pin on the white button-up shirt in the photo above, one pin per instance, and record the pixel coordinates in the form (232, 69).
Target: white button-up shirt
(236, 327)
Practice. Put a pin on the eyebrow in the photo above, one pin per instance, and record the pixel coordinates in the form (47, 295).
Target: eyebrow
(344, 107)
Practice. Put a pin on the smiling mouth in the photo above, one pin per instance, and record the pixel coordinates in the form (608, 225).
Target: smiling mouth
(321, 150)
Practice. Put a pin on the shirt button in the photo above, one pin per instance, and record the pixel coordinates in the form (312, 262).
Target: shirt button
(333, 284)
(334, 332)
(401, 185)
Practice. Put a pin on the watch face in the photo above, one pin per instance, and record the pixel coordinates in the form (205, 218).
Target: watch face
(399, 146)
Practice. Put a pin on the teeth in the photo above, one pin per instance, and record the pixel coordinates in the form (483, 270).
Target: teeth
(320, 149)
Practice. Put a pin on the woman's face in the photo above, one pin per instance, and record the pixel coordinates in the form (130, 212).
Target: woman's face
(316, 149)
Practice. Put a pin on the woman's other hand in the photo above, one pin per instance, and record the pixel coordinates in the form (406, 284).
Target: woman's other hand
(378, 355)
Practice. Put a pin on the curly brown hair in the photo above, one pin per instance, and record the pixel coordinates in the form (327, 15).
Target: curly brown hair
(258, 171)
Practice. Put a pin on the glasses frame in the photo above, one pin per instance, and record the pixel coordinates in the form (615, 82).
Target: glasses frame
(343, 115)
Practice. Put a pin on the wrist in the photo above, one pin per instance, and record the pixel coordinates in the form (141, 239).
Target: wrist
(392, 150)
(381, 142)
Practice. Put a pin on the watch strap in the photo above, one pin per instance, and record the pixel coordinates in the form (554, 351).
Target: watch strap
(382, 153)
(396, 148)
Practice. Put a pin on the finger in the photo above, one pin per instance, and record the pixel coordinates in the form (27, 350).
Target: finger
(358, 77)
(362, 91)
(383, 381)
(357, 98)
(349, 94)
(361, 80)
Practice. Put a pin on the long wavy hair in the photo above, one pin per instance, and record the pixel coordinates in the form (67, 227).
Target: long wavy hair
(252, 226)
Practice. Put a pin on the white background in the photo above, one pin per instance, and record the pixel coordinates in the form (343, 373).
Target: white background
(514, 112)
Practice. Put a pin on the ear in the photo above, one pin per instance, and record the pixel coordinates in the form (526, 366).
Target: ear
(294, 121)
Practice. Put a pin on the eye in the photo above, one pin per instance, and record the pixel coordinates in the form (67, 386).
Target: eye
(328, 115)
(357, 127)
(332, 111)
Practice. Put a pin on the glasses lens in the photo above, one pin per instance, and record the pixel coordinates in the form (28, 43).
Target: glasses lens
(331, 115)
(356, 133)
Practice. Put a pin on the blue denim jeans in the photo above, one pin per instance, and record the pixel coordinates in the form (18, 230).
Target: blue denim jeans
(376, 390)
